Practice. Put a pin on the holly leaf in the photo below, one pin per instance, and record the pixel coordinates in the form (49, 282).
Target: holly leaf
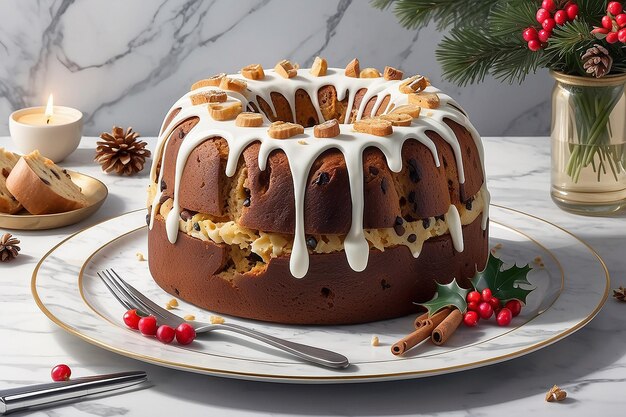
(447, 295)
(504, 284)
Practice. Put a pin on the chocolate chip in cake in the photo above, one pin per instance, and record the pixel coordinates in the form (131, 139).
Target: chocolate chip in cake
(148, 217)
(440, 217)
(5, 172)
(327, 293)
(163, 185)
(163, 198)
(398, 226)
(246, 201)
(181, 133)
(186, 214)
(56, 174)
(411, 238)
(414, 173)
(411, 197)
(469, 203)
(196, 226)
(426, 222)
(383, 185)
(373, 170)
(384, 284)
(45, 181)
(311, 242)
(255, 257)
(402, 201)
(323, 178)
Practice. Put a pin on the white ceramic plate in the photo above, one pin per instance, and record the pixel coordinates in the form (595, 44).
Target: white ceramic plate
(571, 288)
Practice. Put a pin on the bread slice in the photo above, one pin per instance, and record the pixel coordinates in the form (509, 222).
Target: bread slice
(42, 187)
(8, 203)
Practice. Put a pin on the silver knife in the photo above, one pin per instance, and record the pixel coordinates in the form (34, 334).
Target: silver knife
(22, 398)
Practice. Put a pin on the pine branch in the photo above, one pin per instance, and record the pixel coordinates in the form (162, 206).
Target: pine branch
(573, 37)
(511, 18)
(416, 14)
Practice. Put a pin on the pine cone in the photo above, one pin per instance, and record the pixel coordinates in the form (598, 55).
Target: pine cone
(8, 247)
(620, 293)
(121, 152)
(597, 61)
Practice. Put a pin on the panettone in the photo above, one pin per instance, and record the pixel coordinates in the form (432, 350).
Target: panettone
(311, 222)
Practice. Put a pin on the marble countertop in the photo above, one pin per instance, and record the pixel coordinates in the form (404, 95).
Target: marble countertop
(590, 364)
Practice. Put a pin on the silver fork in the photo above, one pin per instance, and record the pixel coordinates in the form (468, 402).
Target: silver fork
(131, 298)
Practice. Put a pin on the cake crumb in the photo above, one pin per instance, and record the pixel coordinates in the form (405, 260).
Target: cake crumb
(302, 142)
(140, 257)
(171, 304)
(496, 248)
(555, 394)
(189, 317)
(216, 320)
(539, 262)
(375, 341)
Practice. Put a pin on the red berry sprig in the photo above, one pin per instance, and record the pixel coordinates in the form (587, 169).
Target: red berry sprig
(483, 305)
(613, 28)
(148, 326)
(549, 16)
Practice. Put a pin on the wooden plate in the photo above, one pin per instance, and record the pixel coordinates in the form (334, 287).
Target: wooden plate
(94, 190)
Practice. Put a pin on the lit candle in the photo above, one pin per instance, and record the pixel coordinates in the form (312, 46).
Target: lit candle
(48, 117)
(54, 130)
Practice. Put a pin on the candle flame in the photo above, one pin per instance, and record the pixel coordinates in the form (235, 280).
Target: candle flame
(49, 109)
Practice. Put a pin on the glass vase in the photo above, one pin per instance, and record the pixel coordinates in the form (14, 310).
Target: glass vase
(589, 144)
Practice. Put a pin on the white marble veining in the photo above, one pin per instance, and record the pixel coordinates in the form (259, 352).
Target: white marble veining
(589, 364)
(124, 62)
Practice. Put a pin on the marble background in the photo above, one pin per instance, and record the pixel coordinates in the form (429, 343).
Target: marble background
(125, 62)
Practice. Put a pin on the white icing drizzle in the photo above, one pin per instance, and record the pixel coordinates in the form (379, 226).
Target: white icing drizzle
(301, 157)
(455, 228)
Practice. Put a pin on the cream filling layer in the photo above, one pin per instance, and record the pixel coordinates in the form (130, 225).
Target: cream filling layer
(271, 245)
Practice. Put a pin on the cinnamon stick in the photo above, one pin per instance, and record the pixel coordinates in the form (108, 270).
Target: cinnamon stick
(413, 339)
(446, 328)
(424, 330)
(436, 318)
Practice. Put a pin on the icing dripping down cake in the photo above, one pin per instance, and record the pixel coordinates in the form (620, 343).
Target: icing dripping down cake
(315, 196)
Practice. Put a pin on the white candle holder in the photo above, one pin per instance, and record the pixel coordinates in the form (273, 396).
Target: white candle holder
(55, 141)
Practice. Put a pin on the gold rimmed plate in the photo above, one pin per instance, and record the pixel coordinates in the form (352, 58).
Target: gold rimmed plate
(572, 285)
(94, 190)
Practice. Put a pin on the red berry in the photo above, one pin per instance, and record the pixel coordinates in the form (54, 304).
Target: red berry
(529, 34)
(131, 319)
(548, 5)
(165, 334)
(542, 15)
(147, 325)
(572, 11)
(473, 296)
(185, 334)
(495, 304)
(614, 7)
(620, 19)
(607, 22)
(544, 35)
(486, 295)
(485, 310)
(560, 17)
(472, 306)
(612, 37)
(621, 35)
(61, 373)
(515, 306)
(470, 318)
(548, 24)
(504, 317)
